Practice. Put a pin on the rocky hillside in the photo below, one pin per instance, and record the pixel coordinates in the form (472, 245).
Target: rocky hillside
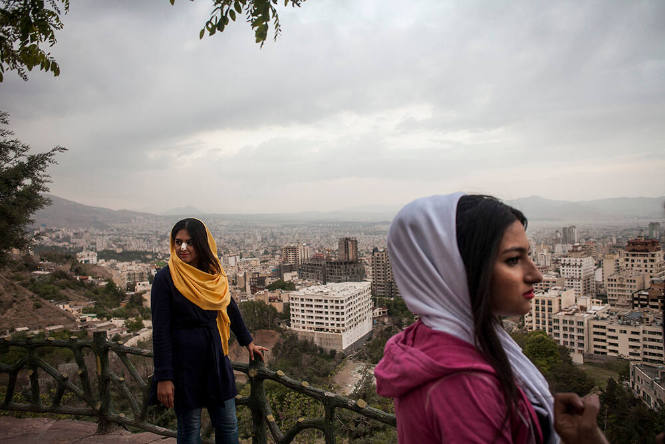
(19, 307)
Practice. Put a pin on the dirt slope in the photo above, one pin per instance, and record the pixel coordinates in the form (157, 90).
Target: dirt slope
(19, 307)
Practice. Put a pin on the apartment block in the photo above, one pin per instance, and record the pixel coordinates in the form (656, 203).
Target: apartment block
(290, 255)
(383, 282)
(570, 328)
(644, 256)
(333, 316)
(578, 271)
(633, 335)
(569, 235)
(304, 253)
(332, 271)
(550, 280)
(621, 286)
(545, 305)
(610, 264)
(653, 298)
(347, 249)
(648, 384)
(654, 230)
(87, 257)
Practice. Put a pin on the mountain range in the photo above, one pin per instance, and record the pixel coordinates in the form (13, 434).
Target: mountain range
(67, 213)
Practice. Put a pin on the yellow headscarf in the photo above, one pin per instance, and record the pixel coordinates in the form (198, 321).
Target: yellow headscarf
(207, 291)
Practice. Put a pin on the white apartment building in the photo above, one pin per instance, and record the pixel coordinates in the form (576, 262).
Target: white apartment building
(578, 272)
(648, 384)
(333, 316)
(231, 260)
(304, 253)
(87, 257)
(621, 286)
(545, 305)
(634, 335)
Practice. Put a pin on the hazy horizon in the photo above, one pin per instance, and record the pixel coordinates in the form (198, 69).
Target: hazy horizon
(368, 208)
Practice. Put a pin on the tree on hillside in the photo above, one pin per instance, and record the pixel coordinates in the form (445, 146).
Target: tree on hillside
(259, 315)
(542, 351)
(625, 418)
(27, 27)
(23, 180)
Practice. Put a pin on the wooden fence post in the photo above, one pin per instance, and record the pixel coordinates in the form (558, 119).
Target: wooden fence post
(101, 350)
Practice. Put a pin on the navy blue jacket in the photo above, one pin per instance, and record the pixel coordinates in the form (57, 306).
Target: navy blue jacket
(187, 346)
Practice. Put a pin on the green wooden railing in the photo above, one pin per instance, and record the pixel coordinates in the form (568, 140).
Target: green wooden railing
(94, 390)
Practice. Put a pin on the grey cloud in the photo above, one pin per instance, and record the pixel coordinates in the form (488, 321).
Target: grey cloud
(570, 79)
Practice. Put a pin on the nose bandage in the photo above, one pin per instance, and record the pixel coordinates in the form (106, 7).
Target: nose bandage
(183, 246)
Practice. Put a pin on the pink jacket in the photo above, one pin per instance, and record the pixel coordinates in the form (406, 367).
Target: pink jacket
(445, 392)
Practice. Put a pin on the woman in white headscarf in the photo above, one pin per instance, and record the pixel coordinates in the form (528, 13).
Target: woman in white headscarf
(460, 263)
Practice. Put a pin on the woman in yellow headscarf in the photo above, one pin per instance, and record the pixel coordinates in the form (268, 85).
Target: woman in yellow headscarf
(192, 315)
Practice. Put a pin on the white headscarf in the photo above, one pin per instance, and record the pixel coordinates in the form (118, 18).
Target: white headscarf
(430, 275)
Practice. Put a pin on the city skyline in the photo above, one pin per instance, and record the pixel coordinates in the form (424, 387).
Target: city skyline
(355, 105)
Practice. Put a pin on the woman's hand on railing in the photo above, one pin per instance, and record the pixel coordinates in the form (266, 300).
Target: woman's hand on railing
(165, 393)
(255, 351)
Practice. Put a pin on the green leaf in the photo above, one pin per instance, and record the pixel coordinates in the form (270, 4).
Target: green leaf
(172, 2)
(232, 13)
(237, 7)
(202, 33)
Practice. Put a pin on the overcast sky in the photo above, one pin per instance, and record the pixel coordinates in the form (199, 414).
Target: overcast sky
(358, 103)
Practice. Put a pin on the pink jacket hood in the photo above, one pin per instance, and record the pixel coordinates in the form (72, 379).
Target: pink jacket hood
(419, 355)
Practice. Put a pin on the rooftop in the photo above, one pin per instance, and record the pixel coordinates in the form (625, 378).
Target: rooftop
(338, 289)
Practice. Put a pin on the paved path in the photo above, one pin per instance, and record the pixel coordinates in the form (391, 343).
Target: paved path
(348, 376)
(51, 431)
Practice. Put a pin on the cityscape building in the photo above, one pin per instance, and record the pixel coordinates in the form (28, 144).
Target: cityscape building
(545, 305)
(633, 335)
(290, 255)
(621, 286)
(610, 264)
(87, 257)
(644, 256)
(653, 298)
(304, 253)
(578, 271)
(569, 235)
(550, 280)
(332, 271)
(333, 316)
(383, 282)
(570, 328)
(347, 249)
(648, 384)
